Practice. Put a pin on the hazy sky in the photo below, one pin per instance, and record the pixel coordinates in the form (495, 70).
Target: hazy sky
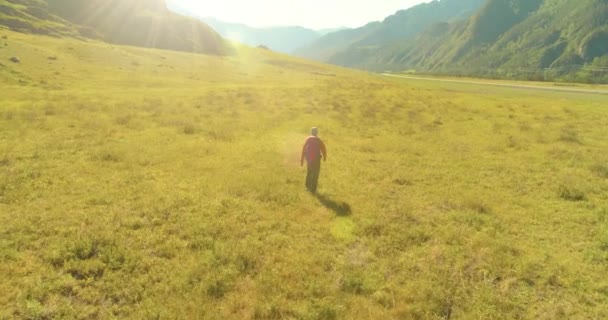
(316, 14)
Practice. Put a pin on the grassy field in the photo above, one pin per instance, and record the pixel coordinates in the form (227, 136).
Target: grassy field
(148, 184)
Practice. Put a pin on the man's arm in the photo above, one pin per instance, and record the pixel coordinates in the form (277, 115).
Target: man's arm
(303, 154)
(323, 150)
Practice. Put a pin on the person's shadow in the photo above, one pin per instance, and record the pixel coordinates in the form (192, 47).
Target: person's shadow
(341, 209)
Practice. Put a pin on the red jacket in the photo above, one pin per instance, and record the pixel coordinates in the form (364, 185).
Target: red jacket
(313, 148)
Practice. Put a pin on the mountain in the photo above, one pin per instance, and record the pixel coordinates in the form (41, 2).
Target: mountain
(281, 39)
(144, 23)
(542, 39)
(331, 30)
(329, 45)
(348, 47)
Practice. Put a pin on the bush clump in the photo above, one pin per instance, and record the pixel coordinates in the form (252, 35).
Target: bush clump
(571, 193)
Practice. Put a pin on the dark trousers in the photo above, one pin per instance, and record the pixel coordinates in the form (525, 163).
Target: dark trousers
(312, 175)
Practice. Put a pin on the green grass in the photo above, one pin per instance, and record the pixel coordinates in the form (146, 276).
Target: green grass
(140, 183)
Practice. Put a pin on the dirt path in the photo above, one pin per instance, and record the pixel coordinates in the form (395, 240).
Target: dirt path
(506, 85)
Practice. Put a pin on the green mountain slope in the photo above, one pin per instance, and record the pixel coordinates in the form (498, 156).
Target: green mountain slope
(144, 23)
(347, 47)
(544, 39)
(33, 16)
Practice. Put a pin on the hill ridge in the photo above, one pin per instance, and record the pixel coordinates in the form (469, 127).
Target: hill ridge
(346, 47)
(144, 23)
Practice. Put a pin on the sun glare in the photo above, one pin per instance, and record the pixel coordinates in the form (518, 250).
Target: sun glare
(235, 36)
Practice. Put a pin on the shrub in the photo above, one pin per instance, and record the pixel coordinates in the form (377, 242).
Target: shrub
(245, 264)
(600, 170)
(86, 269)
(571, 193)
(327, 313)
(570, 135)
(189, 129)
(217, 289)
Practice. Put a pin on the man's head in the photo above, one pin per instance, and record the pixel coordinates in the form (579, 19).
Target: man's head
(314, 131)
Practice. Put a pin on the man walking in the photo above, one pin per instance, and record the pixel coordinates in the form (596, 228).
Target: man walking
(313, 151)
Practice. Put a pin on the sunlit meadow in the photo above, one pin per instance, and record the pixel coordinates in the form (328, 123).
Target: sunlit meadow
(139, 183)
